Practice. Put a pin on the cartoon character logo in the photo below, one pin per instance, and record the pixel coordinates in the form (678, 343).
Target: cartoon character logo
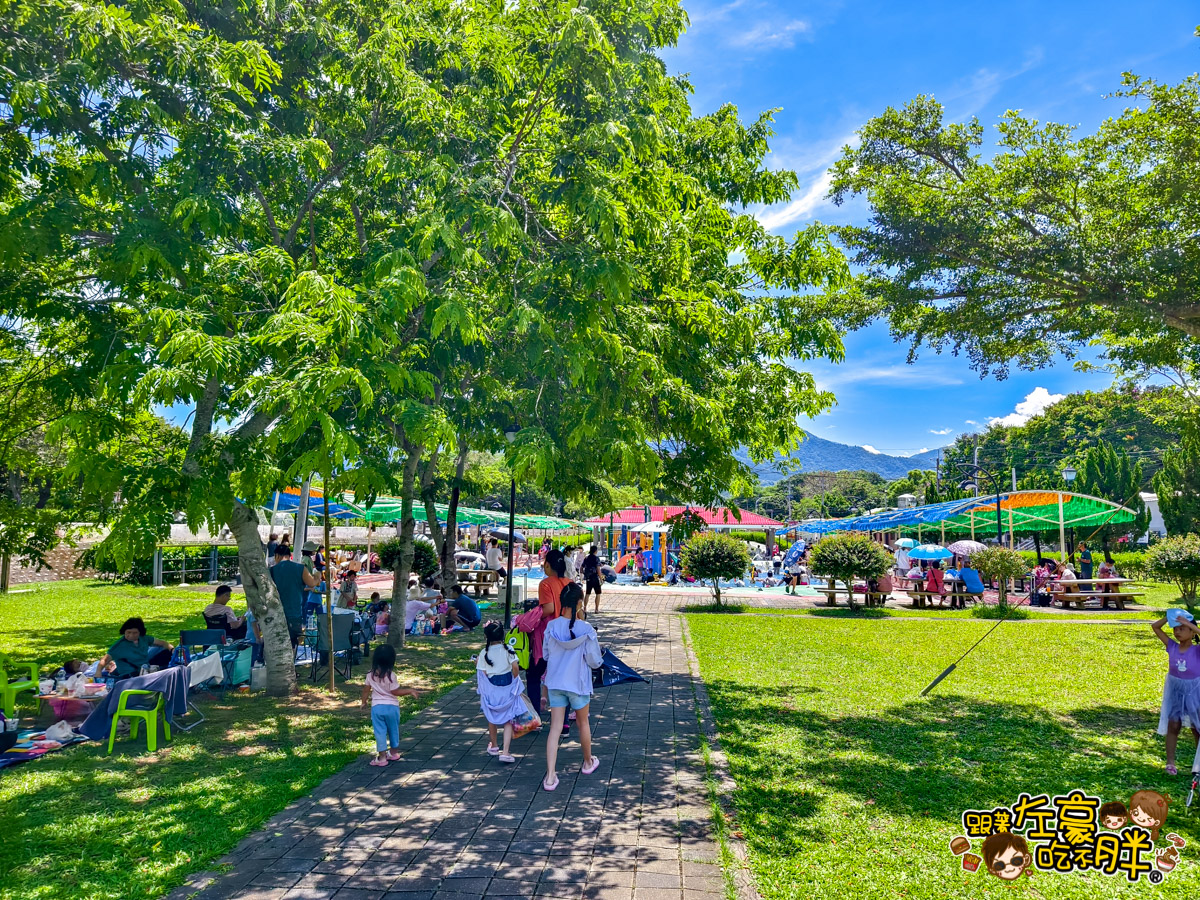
(1006, 855)
(1114, 815)
(1167, 859)
(1148, 809)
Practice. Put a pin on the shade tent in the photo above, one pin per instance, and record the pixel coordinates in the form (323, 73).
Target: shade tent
(1019, 511)
(390, 509)
(288, 501)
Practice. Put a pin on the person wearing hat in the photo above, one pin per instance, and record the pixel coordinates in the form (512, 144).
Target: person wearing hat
(1181, 693)
(291, 579)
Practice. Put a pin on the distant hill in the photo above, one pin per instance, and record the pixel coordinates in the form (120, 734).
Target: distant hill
(819, 455)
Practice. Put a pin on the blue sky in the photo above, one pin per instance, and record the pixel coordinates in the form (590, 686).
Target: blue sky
(831, 66)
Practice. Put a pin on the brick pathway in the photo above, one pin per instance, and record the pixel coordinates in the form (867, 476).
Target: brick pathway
(448, 822)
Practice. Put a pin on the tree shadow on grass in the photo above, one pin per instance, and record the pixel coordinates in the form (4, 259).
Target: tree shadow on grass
(930, 758)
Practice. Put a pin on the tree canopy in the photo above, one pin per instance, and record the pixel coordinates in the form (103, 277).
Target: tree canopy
(1052, 241)
(333, 232)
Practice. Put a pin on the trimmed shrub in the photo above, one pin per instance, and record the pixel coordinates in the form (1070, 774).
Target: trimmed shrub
(1177, 560)
(711, 556)
(844, 557)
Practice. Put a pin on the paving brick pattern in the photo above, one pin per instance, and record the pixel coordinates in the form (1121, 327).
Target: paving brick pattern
(448, 822)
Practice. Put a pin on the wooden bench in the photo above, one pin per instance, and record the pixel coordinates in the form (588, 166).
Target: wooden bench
(1080, 599)
(871, 599)
(479, 581)
(964, 596)
(922, 597)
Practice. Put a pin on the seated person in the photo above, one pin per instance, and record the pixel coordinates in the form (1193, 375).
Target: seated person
(609, 574)
(935, 579)
(672, 575)
(383, 618)
(1064, 579)
(462, 610)
(969, 579)
(218, 614)
(135, 649)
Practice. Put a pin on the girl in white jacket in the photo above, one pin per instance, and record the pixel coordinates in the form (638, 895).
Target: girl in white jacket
(571, 650)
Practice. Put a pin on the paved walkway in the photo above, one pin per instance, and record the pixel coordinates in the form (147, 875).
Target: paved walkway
(448, 822)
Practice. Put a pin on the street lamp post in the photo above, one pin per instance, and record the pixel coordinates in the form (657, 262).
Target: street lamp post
(972, 472)
(510, 435)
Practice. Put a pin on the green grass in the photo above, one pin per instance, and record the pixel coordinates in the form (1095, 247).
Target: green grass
(851, 785)
(81, 824)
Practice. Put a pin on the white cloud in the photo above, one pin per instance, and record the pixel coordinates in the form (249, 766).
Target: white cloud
(771, 34)
(938, 431)
(971, 422)
(922, 450)
(884, 375)
(871, 449)
(1035, 402)
(811, 200)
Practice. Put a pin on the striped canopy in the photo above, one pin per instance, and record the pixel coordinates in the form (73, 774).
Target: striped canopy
(1019, 511)
(389, 509)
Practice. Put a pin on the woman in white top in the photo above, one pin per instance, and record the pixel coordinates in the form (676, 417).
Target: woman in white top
(571, 650)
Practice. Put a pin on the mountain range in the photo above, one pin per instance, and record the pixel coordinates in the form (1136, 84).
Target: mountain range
(816, 454)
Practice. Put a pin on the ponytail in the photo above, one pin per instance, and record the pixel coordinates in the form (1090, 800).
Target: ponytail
(493, 633)
(572, 593)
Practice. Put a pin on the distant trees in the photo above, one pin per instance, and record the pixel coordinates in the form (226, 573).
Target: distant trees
(1178, 486)
(1052, 242)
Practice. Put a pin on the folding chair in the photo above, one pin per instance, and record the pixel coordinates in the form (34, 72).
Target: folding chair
(342, 626)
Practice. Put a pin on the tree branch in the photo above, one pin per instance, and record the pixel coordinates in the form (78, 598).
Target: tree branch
(201, 425)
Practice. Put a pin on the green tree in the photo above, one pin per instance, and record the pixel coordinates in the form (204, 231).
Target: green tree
(1000, 564)
(712, 556)
(1178, 486)
(1177, 559)
(844, 557)
(1107, 473)
(1053, 241)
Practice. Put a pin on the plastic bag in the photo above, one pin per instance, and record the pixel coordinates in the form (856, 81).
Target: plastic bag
(528, 721)
(61, 732)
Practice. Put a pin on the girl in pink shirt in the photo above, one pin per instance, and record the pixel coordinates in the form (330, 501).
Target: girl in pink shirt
(384, 690)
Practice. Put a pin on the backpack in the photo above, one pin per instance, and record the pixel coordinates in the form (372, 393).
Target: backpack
(520, 643)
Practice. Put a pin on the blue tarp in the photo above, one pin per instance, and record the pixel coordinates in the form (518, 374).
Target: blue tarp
(290, 503)
(903, 518)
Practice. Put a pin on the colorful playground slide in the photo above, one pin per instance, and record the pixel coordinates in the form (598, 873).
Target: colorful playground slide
(620, 566)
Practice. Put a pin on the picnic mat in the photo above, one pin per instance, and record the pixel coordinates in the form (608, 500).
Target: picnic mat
(30, 745)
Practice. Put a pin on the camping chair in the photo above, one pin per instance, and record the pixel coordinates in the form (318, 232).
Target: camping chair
(143, 709)
(220, 623)
(11, 685)
(342, 626)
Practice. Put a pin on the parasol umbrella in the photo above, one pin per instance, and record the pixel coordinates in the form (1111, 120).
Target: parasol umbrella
(965, 548)
(613, 671)
(929, 551)
(502, 534)
(905, 543)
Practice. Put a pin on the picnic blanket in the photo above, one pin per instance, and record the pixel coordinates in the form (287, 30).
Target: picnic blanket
(31, 745)
(172, 682)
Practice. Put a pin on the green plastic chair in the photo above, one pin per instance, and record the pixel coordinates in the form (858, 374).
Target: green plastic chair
(149, 716)
(11, 685)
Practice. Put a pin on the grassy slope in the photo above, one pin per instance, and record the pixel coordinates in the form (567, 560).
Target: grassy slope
(81, 824)
(850, 785)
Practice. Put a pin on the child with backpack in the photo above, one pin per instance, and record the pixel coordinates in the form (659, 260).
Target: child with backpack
(384, 692)
(498, 679)
(571, 650)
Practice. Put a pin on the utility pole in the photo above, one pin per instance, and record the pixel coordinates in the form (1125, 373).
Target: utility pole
(975, 463)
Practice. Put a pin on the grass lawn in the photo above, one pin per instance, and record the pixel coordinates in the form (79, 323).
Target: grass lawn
(851, 785)
(134, 825)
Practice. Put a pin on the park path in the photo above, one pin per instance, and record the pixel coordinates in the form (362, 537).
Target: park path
(448, 822)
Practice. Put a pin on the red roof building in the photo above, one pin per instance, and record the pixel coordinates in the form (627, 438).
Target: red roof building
(718, 518)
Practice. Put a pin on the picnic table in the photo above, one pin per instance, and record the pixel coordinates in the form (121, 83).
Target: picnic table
(870, 598)
(478, 581)
(1099, 590)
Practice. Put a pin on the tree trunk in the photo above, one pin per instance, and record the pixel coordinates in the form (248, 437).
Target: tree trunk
(404, 563)
(449, 546)
(263, 600)
(717, 590)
